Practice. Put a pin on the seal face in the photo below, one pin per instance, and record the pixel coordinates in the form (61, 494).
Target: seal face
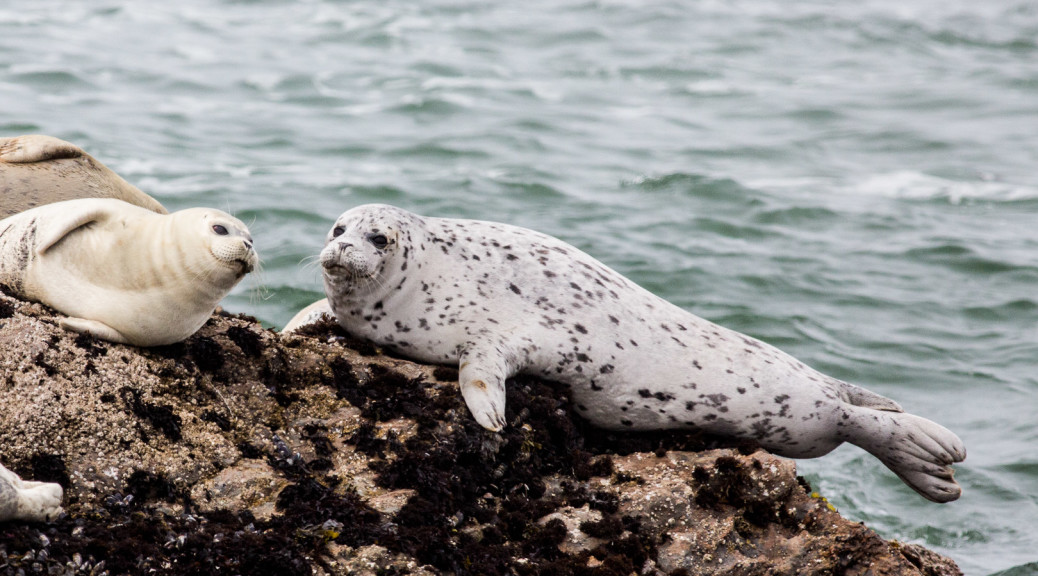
(124, 273)
(37, 170)
(500, 300)
(30, 501)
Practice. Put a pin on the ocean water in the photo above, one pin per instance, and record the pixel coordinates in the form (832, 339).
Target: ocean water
(854, 182)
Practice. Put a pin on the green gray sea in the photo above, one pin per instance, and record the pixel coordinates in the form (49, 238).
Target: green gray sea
(853, 182)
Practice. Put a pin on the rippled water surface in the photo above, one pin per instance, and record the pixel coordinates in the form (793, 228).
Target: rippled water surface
(853, 182)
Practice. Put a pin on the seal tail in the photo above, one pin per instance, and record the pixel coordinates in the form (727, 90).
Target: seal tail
(919, 451)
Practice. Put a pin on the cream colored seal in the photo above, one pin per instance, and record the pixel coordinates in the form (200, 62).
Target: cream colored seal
(499, 300)
(37, 170)
(29, 501)
(123, 273)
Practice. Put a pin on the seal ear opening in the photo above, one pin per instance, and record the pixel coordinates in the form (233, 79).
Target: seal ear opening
(55, 230)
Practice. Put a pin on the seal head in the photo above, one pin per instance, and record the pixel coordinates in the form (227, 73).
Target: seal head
(225, 237)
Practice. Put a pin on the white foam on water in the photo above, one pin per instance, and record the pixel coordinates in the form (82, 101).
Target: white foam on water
(912, 185)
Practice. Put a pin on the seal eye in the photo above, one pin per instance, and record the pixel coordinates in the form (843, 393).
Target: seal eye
(378, 240)
(338, 231)
(220, 230)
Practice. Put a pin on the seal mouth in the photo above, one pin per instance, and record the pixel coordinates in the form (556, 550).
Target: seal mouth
(241, 266)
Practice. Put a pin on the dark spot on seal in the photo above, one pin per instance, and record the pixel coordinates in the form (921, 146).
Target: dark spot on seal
(515, 289)
(580, 328)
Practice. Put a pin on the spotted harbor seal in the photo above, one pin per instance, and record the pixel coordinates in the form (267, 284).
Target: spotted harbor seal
(501, 300)
(37, 170)
(24, 500)
(124, 273)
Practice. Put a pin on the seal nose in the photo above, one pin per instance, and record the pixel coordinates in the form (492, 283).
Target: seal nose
(248, 243)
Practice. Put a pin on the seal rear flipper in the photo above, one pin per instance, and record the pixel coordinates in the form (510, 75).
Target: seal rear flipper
(482, 371)
(36, 148)
(919, 451)
(94, 328)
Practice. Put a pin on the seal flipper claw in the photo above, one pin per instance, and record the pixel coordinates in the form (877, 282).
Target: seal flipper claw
(94, 328)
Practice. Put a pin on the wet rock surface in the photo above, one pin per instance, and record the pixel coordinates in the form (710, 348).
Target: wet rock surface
(242, 451)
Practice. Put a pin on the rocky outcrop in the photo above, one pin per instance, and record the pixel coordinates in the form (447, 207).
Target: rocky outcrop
(243, 451)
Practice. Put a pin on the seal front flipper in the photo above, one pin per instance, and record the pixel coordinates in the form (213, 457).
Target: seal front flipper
(32, 501)
(39, 502)
(94, 328)
(52, 230)
(482, 371)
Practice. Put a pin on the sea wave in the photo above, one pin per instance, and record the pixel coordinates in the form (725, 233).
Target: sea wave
(912, 185)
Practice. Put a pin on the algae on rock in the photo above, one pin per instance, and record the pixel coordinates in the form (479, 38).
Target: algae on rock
(243, 451)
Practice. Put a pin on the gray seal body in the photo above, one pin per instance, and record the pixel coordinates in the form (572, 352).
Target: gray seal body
(498, 300)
